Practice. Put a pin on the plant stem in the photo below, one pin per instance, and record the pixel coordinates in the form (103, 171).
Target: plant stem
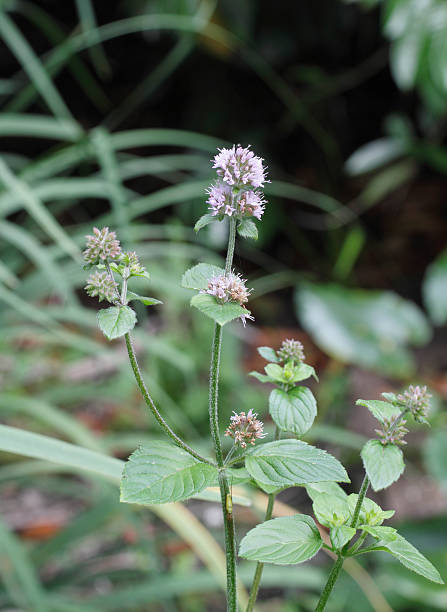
(260, 566)
(150, 403)
(213, 393)
(225, 492)
(231, 243)
(330, 583)
(341, 557)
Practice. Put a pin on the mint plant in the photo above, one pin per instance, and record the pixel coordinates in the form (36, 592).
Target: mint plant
(171, 470)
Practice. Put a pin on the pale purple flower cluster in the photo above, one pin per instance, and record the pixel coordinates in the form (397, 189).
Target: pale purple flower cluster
(236, 194)
(131, 261)
(222, 201)
(240, 167)
(100, 284)
(102, 246)
(228, 288)
(245, 428)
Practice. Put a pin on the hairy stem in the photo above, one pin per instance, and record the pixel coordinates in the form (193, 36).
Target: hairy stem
(260, 566)
(354, 522)
(330, 583)
(225, 492)
(231, 243)
(150, 403)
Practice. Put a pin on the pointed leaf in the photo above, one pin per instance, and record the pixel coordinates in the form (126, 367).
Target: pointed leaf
(204, 221)
(380, 410)
(147, 301)
(341, 535)
(268, 353)
(198, 276)
(294, 410)
(288, 463)
(160, 472)
(221, 313)
(116, 321)
(261, 377)
(405, 552)
(383, 464)
(282, 541)
(247, 229)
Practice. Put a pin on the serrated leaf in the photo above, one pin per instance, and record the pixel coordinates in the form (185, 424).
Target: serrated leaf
(204, 221)
(147, 301)
(247, 229)
(288, 463)
(380, 410)
(261, 377)
(161, 473)
(116, 321)
(331, 488)
(294, 410)
(282, 541)
(221, 313)
(383, 464)
(331, 510)
(268, 354)
(405, 552)
(198, 276)
(370, 512)
(341, 535)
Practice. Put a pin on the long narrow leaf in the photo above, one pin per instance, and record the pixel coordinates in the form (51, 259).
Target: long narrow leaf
(38, 211)
(32, 66)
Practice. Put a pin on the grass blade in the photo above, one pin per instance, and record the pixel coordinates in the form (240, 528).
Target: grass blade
(38, 211)
(32, 66)
(18, 574)
(38, 126)
(88, 24)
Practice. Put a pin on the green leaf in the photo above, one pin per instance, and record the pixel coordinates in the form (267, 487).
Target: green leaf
(116, 321)
(198, 276)
(221, 313)
(369, 328)
(282, 541)
(331, 488)
(268, 353)
(370, 512)
(434, 289)
(341, 535)
(147, 301)
(383, 464)
(261, 377)
(405, 552)
(288, 463)
(290, 374)
(204, 221)
(331, 510)
(294, 410)
(161, 473)
(380, 410)
(247, 229)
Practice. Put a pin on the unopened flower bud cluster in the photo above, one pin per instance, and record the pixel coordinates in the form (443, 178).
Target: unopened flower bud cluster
(237, 192)
(416, 400)
(291, 350)
(391, 434)
(102, 246)
(244, 428)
